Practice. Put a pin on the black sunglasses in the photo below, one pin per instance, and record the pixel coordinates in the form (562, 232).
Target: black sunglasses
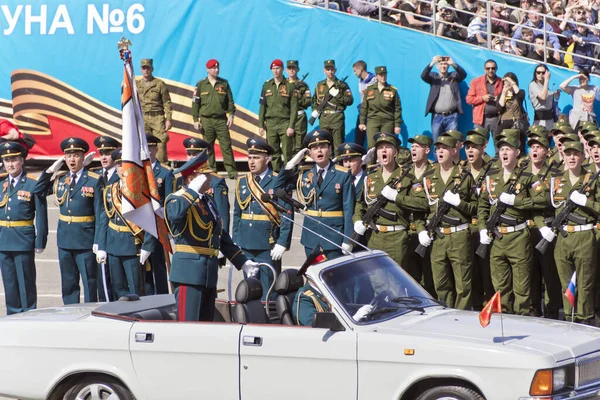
(490, 68)
(540, 72)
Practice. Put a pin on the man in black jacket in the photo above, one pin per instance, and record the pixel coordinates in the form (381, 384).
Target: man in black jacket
(444, 102)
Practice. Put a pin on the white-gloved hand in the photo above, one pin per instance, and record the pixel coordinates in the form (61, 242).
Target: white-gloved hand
(101, 256)
(334, 91)
(144, 254)
(94, 248)
(250, 268)
(56, 165)
(297, 159)
(362, 312)
(197, 183)
(368, 158)
(389, 193)
(314, 114)
(425, 239)
(508, 199)
(483, 237)
(39, 251)
(220, 255)
(88, 158)
(578, 198)
(277, 252)
(547, 233)
(360, 228)
(451, 198)
(347, 248)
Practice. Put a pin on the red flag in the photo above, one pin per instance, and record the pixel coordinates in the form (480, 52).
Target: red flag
(493, 306)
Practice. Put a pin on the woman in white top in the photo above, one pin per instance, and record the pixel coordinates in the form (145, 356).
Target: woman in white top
(542, 98)
(583, 98)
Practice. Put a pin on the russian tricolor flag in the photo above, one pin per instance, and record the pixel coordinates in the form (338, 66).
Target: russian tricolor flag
(572, 290)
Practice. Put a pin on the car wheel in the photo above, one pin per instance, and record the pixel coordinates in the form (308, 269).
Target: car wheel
(98, 388)
(450, 393)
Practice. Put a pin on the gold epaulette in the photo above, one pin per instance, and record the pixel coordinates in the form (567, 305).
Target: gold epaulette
(95, 169)
(30, 176)
(394, 87)
(215, 175)
(93, 174)
(60, 174)
(166, 166)
(340, 168)
(305, 167)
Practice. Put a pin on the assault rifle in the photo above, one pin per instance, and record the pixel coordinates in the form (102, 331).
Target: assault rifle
(492, 223)
(322, 104)
(377, 207)
(566, 215)
(486, 169)
(442, 215)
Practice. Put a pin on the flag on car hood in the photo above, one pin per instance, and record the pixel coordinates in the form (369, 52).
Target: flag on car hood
(493, 306)
(572, 290)
(316, 256)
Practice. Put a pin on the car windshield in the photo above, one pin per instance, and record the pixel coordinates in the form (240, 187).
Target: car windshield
(378, 281)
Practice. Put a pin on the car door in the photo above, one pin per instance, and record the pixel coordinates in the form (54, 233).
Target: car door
(288, 362)
(186, 360)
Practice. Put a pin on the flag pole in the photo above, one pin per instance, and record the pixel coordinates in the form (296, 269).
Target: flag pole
(502, 327)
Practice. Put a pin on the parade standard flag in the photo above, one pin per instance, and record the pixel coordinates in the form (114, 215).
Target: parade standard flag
(572, 290)
(493, 306)
(141, 200)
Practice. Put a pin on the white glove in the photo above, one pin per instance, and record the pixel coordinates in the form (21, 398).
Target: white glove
(362, 312)
(578, 198)
(347, 248)
(94, 248)
(277, 252)
(360, 228)
(197, 183)
(250, 268)
(483, 237)
(368, 158)
(220, 255)
(334, 91)
(425, 239)
(451, 198)
(314, 114)
(56, 166)
(144, 254)
(88, 158)
(389, 193)
(508, 199)
(39, 251)
(547, 233)
(296, 159)
(101, 256)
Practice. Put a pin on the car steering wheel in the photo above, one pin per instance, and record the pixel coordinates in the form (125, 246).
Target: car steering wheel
(381, 300)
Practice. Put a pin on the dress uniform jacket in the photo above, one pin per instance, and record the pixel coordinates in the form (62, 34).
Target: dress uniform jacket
(165, 183)
(219, 193)
(115, 235)
(307, 302)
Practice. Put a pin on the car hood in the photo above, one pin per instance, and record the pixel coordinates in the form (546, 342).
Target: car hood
(562, 340)
(64, 313)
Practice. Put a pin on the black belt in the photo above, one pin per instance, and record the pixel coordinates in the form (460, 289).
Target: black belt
(154, 113)
(544, 115)
(445, 114)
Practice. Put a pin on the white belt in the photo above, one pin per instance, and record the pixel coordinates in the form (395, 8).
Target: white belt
(390, 228)
(577, 228)
(300, 112)
(453, 229)
(510, 229)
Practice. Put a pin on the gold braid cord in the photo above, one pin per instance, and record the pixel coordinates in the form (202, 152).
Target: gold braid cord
(59, 200)
(305, 200)
(242, 203)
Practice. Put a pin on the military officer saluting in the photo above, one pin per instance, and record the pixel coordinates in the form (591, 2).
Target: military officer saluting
(195, 224)
(332, 118)
(258, 228)
(23, 229)
(327, 190)
(119, 240)
(302, 92)
(351, 155)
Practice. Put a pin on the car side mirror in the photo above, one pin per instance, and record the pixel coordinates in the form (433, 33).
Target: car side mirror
(327, 320)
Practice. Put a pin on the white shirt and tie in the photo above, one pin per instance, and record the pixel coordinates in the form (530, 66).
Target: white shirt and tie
(357, 178)
(13, 181)
(322, 172)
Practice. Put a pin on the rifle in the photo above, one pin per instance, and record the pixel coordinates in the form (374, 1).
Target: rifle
(492, 223)
(441, 215)
(376, 209)
(322, 105)
(564, 215)
(304, 77)
(486, 169)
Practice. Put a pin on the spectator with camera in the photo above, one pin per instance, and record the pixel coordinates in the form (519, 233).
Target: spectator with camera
(542, 99)
(483, 94)
(512, 111)
(583, 98)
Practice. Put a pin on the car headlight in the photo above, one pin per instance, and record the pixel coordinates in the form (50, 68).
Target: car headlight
(548, 381)
(559, 379)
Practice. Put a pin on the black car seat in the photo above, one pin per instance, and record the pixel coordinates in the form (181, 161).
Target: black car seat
(286, 286)
(249, 308)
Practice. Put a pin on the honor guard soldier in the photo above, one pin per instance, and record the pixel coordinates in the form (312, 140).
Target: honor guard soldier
(451, 251)
(278, 112)
(195, 224)
(510, 257)
(120, 241)
(258, 228)
(156, 106)
(302, 92)
(213, 111)
(351, 155)
(381, 109)
(332, 116)
(23, 229)
(327, 192)
(152, 250)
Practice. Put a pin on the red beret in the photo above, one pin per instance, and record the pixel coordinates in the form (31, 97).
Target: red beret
(212, 63)
(277, 63)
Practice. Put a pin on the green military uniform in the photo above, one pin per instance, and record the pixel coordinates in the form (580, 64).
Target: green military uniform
(381, 109)
(157, 109)
(278, 112)
(302, 92)
(210, 105)
(510, 255)
(332, 117)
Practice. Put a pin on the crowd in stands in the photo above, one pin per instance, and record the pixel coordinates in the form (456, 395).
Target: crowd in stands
(559, 32)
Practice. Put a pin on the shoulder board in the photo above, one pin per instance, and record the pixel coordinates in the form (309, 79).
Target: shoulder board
(33, 177)
(340, 168)
(372, 84)
(165, 166)
(558, 174)
(493, 171)
(94, 169)
(430, 172)
(215, 175)
(200, 81)
(3, 176)
(525, 173)
(372, 168)
(269, 80)
(219, 79)
(394, 87)
(305, 167)
(60, 174)
(93, 174)
(178, 193)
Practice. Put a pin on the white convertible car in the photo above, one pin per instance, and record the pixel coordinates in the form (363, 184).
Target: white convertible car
(409, 347)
